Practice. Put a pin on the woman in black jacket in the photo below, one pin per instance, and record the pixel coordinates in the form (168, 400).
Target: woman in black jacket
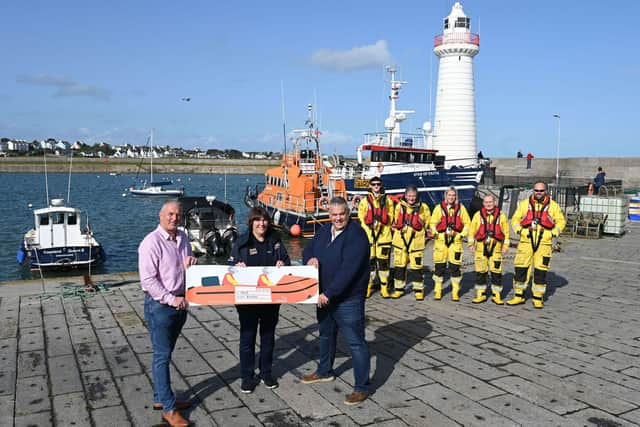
(260, 246)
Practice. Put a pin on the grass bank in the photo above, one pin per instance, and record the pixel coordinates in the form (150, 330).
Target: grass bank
(107, 165)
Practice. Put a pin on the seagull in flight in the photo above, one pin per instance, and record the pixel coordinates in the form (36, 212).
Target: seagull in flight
(186, 99)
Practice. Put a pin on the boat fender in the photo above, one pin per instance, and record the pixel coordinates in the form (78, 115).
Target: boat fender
(276, 218)
(323, 203)
(380, 167)
(20, 256)
(590, 192)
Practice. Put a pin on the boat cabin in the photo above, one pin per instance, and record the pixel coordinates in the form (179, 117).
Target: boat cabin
(386, 154)
(57, 226)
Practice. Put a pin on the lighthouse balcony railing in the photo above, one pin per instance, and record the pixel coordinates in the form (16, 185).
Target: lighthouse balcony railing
(456, 38)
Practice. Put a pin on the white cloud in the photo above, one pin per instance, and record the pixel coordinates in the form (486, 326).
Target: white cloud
(65, 86)
(374, 55)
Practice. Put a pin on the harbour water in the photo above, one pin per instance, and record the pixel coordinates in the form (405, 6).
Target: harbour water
(119, 223)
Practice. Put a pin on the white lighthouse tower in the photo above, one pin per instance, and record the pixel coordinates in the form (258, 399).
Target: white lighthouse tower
(454, 133)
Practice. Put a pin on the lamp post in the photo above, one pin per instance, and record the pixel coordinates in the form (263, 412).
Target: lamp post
(557, 116)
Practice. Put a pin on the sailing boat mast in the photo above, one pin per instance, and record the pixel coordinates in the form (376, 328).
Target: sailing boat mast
(151, 154)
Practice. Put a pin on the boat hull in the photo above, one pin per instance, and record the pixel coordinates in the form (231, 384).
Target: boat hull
(308, 223)
(431, 185)
(163, 193)
(63, 257)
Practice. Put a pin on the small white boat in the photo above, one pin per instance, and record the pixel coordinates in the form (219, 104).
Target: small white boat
(155, 188)
(58, 240)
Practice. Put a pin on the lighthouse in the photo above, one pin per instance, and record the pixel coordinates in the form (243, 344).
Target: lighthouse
(454, 127)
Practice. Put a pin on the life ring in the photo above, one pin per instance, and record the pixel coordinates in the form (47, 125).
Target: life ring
(380, 167)
(323, 203)
(355, 202)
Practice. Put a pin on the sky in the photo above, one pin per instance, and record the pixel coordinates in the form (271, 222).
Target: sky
(111, 71)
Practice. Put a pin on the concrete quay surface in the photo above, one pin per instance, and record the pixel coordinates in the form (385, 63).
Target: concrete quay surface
(86, 361)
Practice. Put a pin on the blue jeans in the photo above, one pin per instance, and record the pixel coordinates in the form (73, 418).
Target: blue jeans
(348, 318)
(164, 323)
(250, 315)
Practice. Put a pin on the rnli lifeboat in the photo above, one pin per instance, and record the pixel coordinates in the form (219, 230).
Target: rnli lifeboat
(297, 193)
(289, 289)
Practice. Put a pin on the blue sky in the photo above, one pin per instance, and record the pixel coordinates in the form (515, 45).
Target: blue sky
(110, 71)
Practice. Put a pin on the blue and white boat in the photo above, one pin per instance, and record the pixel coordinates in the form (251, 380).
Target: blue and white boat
(58, 240)
(403, 159)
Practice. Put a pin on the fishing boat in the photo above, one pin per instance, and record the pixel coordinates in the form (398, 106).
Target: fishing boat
(210, 225)
(155, 188)
(297, 193)
(403, 159)
(58, 241)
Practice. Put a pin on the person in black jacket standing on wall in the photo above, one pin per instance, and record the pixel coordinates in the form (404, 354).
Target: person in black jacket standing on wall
(260, 246)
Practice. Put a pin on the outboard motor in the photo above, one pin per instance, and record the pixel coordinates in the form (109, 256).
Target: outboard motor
(213, 243)
(229, 237)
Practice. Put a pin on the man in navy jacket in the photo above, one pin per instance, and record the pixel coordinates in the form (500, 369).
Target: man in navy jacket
(340, 251)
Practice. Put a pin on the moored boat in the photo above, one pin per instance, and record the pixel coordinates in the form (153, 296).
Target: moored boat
(155, 188)
(210, 225)
(58, 241)
(297, 193)
(403, 159)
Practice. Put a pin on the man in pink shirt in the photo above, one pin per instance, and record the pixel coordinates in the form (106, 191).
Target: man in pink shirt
(163, 257)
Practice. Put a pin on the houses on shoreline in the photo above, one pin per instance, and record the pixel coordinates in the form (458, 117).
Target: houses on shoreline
(16, 147)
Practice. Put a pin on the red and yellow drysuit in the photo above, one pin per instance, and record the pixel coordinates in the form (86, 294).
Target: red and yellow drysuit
(537, 222)
(376, 215)
(410, 224)
(489, 232)
(449, 224)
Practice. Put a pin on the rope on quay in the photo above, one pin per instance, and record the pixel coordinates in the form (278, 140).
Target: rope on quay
(88, 290)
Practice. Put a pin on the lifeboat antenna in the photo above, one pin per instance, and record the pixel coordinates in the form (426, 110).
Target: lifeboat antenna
(284, 127)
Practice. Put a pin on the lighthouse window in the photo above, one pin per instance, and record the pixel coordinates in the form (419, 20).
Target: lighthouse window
(446, 23)
(462, 22)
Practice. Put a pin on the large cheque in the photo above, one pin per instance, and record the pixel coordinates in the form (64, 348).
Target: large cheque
(226, 285)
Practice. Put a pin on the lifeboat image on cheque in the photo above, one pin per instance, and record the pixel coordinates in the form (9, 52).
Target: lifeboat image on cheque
(225, 285)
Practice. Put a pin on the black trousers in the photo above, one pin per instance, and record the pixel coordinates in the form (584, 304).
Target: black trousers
(252, 315)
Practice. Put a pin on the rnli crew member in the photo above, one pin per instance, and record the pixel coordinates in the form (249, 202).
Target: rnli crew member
(410, 223)
(163, 257)
(376, 214)
(449, 224)
(261, 246)
(537, 220)
(489, 239)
